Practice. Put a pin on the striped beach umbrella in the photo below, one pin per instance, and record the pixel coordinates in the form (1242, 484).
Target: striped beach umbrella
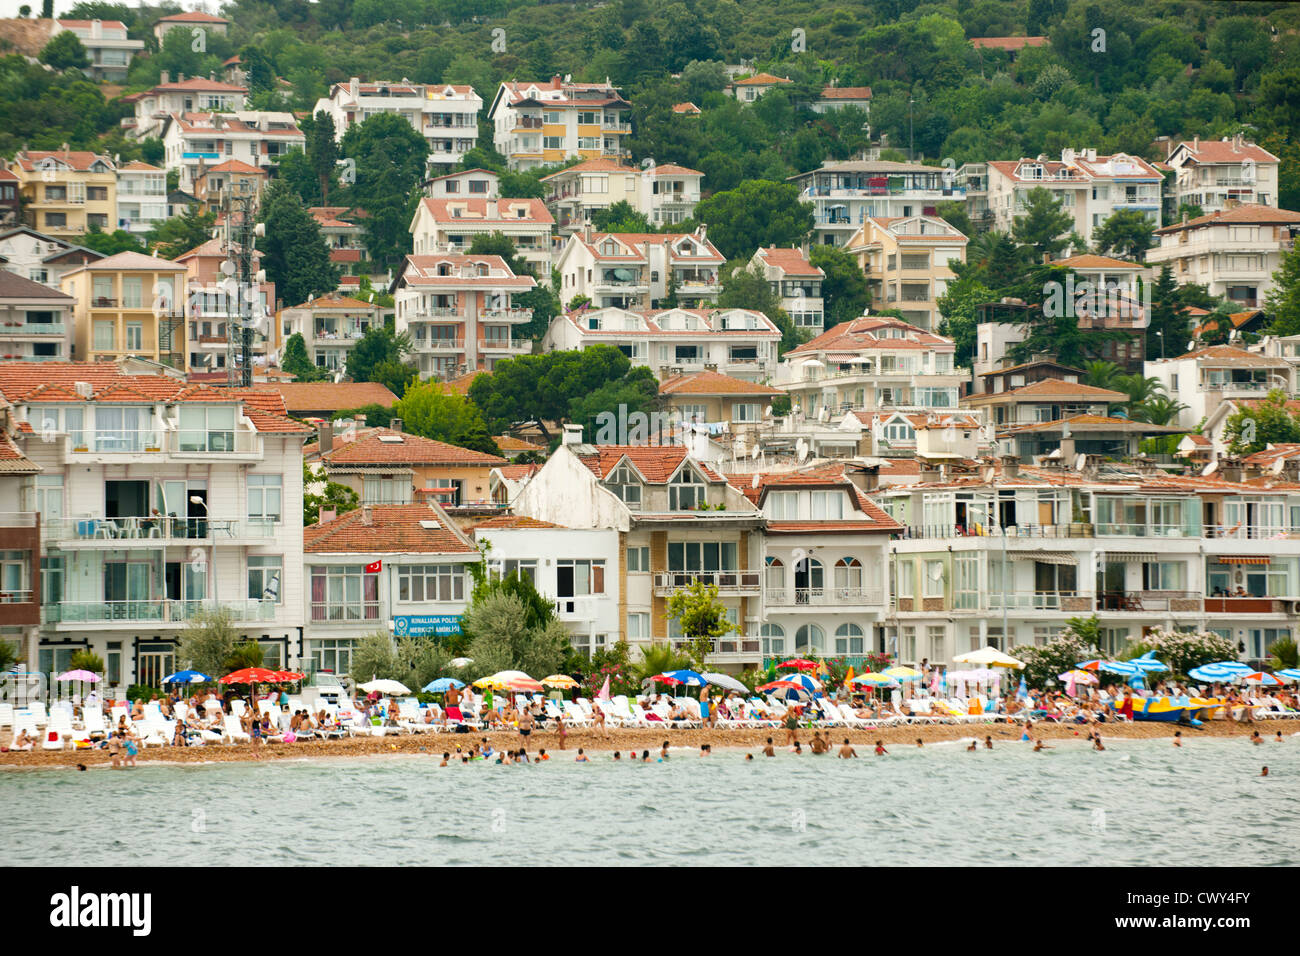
(1291, 673)
(1148, 664)
(1259, 677)
(1212, 673)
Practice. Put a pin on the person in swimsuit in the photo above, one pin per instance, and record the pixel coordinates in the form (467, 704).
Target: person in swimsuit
(880, 748)
(768, 749)
(846, 750)
(525, 722)
(791, 725)
(131, 751)
(452, 708)
(115, 749)
(255, 737)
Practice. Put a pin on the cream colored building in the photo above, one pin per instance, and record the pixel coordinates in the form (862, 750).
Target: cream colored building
(548, 122)
(129, 305)
(65, 192)
(664, 194)
(908, 264)
(1218, 174)
(446, 116)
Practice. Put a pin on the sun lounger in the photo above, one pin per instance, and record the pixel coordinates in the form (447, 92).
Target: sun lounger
(234, 730)
(574, 716)
(6, 715)
(37, 710)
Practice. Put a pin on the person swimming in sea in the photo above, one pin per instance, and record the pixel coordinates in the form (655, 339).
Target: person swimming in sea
(846, 750)
(1039, 745)
(1178, 738)
(972, 747)
(880, 748)
(768, 749)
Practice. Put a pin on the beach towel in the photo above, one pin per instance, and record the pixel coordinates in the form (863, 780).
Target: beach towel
(453, 713)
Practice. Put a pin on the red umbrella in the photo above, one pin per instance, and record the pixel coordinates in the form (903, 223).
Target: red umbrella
(287, 676)
(781, 685)
(250, 675)
(799, 663)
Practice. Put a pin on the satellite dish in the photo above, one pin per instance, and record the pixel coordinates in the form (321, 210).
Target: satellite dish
(824, 414)
(1080, 461)
(1191, 345)
(803, 453)
(1054, 455)
(755, 453)
(1210, 469)
(753, 482)
(1278, 466)
(936, 573)
(767, 412)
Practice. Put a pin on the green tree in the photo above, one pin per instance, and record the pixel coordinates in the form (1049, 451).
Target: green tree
(845, 294)
(65, 52)
(475, 437)
(296, 362)
(1102, 374)
(86, 660)
(544, 386)
(111, 243)
(1169, 327)
(245, 654)
(207, 641)
(389, 159)
(659, 658)
(958, 306)
(375, 658)
(322, 152)
(338, 497)
(430, 411)
(701, 617)
(620, 217)
(178, 235)
(756, 213)
(743, 289)
(1270, 422)
(376, 415)
(1126, 232)
(1242, 42)
(501, 637)
(638, 390)
(376, 352)
(1043, 225)
(294, 254)
(9, 655)
(1283, 301)
(1044, 663)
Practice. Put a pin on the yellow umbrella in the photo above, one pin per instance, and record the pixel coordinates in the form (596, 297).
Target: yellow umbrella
(491, 682)
(559, 680)
(873, 678)
(902, 673)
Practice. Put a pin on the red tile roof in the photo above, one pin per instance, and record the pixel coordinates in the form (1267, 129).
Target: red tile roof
(1007, 43)
(517, 472)
(1090, 261)
(476, 211)
(512, 522)
(713, 383)
(762, 79)
(1228, 356)
(846, 93)
(655, 463)
(393, 529)
(1245, 214)
(792, 262)
(867, 332)
(1224, 151)
(191, 16)
(303, 397)
(78, 160)
(509, 443)
(1051, 388)
(408, 450)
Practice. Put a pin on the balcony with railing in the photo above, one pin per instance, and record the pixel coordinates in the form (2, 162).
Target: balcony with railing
(155, 611)
(506, 315)
(237, 442)
(822, 597)
(728, 582)
(1249, 605)
(344, 612)
(1186, 601)
(517, 346)
(948, 531)
(440, 345)
(734, 649)
(14, 327)
(162, 529)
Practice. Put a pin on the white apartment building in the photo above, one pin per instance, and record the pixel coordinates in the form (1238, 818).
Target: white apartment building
(535, 124)
(330, 326)
(677, 521)
(195, 142)
(471, 183)
(1207, 377)
(1006, 556)
(107, 45)
(845, 194)
(870, 363)
(141, 196)
(158, 500)
(665, 194)
(577, 569)
(628, 270)
(399, 569)
(446, 116)
(736, 342)
(41, 258)
(181, 96)
(1089, 187)
(448, 227)
(1233, 252)
(908, 263)
(1219, 174)
(190, 21)
(35, 320)
(796, 282)
(459, 312)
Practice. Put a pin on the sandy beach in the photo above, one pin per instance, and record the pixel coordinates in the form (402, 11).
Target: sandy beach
(639, 739)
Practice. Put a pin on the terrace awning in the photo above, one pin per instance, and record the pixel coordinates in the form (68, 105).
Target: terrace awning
(1242, 559)
(1050, 557)
(1130, 557)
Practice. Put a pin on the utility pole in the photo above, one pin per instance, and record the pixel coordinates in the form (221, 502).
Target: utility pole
(243, 307)
(911, 150)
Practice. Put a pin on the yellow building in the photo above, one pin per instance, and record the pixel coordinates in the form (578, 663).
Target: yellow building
(129, 305)
(66, 192)
(539, 123)
(906, 259)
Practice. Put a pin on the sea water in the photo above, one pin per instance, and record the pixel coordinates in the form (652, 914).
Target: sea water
(1138, 802)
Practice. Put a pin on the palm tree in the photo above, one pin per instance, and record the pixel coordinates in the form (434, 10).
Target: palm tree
(8, 656)
(1102, 374)
(1160, 410)
(658, 658)
(1139, 388)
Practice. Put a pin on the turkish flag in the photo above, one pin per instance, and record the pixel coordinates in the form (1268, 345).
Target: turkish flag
(374, 568)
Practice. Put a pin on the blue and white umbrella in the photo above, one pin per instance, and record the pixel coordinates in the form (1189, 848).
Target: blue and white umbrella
(186, 677)
(806, 682)
(1126, 668)
(1291, 673)
(442, 684)
(688, 678)
(1214, 673)
(1023, 692)
(1237, 667)
(1147, 663)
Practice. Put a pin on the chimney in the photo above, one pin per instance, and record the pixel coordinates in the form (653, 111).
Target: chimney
(491, 209)
(367, 516)
(1291, 469)
(180, 77)
(396, 425)
(572, 435)
(354, 87)
(212, 75)
(1196, 144)
(325, 437)
(327, 515)
(1230, 469)
(165, 77)
(865, 478)
(1010, 466)
(930, 471)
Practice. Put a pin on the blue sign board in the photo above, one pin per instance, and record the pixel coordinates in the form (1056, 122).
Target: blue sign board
(424, 625)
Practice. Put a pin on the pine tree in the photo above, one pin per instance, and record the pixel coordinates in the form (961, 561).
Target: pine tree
(1284, 299)
(1043, 225)
(294, 254)
(322, 151)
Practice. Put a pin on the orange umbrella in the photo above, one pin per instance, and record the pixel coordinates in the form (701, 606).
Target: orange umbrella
(250, 675)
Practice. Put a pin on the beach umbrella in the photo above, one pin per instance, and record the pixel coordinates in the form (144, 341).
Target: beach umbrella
(603, 694)
(725, 681)
(525, 684)
(503, 680)
(901, 673)
(1125, 668)
(1291, 673)
(86, 676)
(1147, 663)
(809, 684)
(1259, 677)
(1078, 676)
(385, 686)
(1092, 665)
(442, 685)
(285, 676)
(460, 662)
(560, 680)
(1023, 692)
(989, 657)
(1237, 667)
(248, 675)
(186, 677)
(875, 680)
(687, 678)
(784, 688)
(1212, 673)
(798, 663)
